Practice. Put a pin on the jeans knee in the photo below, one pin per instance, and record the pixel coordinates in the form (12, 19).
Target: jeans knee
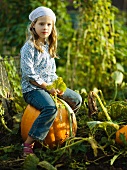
(79, 99)
(54, 109)
(50, 110)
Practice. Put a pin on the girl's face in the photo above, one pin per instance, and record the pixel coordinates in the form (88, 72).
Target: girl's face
(43, 27)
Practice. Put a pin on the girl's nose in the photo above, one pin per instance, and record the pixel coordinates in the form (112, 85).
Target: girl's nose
(45, 26)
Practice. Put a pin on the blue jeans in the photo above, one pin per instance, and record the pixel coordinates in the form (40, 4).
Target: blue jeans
(41, 100)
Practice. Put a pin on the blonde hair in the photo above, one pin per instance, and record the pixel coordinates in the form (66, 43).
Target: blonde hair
(52, 39)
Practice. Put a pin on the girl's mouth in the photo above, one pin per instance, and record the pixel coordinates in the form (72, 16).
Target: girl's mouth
(45, 32)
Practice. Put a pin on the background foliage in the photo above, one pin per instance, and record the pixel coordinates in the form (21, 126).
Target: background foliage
(90, 40)
(92, 50)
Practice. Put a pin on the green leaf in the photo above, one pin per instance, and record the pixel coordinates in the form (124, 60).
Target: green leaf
(93, 124)
(117, 76)
(31, 162)
(46, 165)
(82, 148)
(120, 67)
(58, 84)
(62, 87)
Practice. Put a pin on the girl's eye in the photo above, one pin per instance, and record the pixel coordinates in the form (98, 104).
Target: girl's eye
(41, 23)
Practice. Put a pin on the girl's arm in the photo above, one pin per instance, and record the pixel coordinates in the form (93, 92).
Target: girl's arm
(43, 86)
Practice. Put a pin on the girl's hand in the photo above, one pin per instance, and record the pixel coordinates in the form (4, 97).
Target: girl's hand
(53, 92)
(59, 92)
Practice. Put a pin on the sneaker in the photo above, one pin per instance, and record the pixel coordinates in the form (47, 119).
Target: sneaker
(27, 149)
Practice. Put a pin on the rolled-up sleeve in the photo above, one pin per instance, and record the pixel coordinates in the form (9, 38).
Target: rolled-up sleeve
(27, 65)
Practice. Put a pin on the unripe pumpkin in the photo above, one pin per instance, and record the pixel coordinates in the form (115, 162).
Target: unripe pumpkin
(59, 131)
(123, 131)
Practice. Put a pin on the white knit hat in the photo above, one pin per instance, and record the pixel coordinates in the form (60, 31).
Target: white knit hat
(42, 11)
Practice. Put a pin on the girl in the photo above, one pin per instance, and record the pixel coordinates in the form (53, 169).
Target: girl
(38, 71)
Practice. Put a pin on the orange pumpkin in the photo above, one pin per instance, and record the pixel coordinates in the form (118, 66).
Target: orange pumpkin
(122, 130)
(59, 131)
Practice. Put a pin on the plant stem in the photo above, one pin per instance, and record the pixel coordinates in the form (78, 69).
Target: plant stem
(90, 140)
(115, 94)
(103, 107)
(80, 141)
(3, 121)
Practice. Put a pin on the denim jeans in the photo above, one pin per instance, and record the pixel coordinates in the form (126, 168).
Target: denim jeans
(41, 100)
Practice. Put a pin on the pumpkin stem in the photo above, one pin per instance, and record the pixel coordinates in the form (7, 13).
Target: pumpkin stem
(70, 111)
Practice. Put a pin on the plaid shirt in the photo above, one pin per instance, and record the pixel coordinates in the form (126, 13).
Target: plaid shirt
(36, 66)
